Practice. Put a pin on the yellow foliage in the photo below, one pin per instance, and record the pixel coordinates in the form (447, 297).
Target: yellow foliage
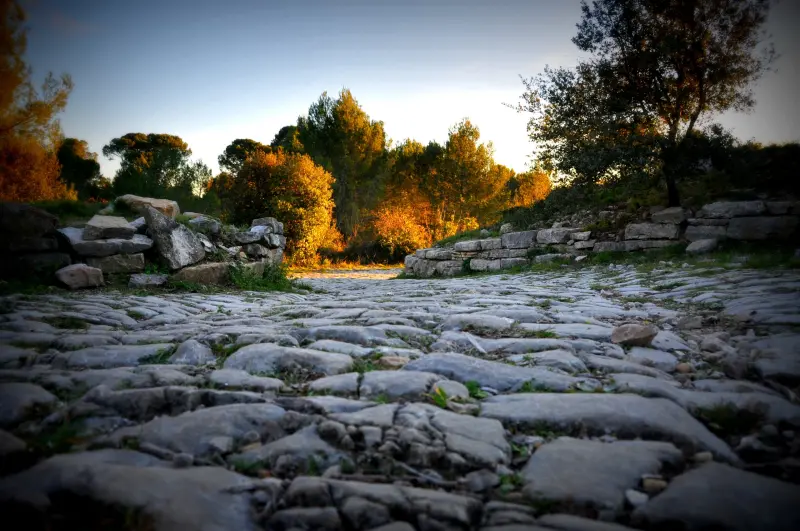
(30, 173)
(531, 186)
(398, 229)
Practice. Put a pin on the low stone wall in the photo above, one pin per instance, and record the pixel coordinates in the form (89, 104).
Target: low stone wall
(202, 252)
(736, 220)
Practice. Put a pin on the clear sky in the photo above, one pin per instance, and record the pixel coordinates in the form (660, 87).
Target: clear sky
(211, 71)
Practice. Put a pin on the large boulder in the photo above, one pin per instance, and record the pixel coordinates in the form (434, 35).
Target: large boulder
(140, 204)
(176, 244)
(78, 276)
(206, 225)
(107, 227)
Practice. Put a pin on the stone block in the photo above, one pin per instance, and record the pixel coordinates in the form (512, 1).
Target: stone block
(518, 240)
(439, 254)
(118, 263)
(675, 215)
(468, 246)
(639, 245)
(582, 236)
(478, 264)
(558, 235)
(705, 232)
(78, 276)
(651, 231)
(140, 204)
(584, 245)
(732, 209)
(107, 227)
(709, 221)
(209, 274)
(409, 261)
(271, 224)
(448, 268)
(83, 247)
(762, 228)
(491, 243)
(544, 258)
(608, 247)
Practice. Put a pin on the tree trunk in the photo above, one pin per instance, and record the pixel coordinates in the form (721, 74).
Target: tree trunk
(673, 198)
(669, 169)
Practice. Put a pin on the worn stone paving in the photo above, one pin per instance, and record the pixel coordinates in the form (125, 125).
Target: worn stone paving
(493, 402)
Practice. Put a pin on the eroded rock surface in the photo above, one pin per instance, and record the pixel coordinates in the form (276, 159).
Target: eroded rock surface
(604, 399)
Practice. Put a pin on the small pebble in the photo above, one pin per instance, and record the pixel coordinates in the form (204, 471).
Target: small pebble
(683, 368)
(653, 485)
(769, 430)
(183, 460)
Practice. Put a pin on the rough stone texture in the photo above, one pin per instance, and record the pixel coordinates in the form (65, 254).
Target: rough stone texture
(209, 273)
(518, 240)
(274, 226)
(100, 248)
(674, 215)
(730, 209)
(721, 497)
(118, 263)
(206, 225)
(593, 474)
(705, 232)
(634, 335)
(142, 280)
(606, 247)
(560, 235)
(626, 415)
(702, 246)
(77, 276)
(762, 228)
(22, 225)
(176, 244)
(108, 227)
(140, 204)
(652, 231)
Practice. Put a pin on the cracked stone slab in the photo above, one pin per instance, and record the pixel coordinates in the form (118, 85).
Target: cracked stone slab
(594, 474)
(110, 356)
(722, 497)
(165, 498)
(500, 376)
(269, 358)
(627, 416)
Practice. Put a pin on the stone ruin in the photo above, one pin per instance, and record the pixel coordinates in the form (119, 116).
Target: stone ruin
(79, 257)
(702, 230)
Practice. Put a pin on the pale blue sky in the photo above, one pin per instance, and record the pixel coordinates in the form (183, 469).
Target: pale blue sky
(212, 71)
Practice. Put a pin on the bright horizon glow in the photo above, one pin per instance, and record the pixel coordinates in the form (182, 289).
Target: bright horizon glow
(246, 68)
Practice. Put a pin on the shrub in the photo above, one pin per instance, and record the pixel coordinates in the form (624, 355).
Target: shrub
(398, 231)
(275, 278)
(290, 188)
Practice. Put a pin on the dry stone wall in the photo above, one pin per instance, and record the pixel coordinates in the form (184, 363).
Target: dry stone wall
(728, 220)
(202, 252)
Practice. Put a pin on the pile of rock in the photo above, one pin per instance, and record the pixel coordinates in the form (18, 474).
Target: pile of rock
(109, 244)
(739, 220)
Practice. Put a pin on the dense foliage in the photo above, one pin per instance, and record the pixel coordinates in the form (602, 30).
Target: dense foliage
(29, 129)
(288, 187)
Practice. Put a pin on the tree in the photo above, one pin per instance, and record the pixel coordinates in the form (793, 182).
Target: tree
(529, 187)
(288, 138)
(29, 130)
(151, 163)
(340, 137)
(79, 166)
(657, 67)
(291, 188)
(465, 186)
(237, 152)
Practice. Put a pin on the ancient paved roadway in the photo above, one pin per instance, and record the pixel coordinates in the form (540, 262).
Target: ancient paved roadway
(494, 402)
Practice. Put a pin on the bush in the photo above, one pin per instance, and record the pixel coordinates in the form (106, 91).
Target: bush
(290, 188)
(398, 231)
(28, 172)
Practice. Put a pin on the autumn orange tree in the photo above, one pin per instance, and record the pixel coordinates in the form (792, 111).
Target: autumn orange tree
(29, 130)
(288, 187)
